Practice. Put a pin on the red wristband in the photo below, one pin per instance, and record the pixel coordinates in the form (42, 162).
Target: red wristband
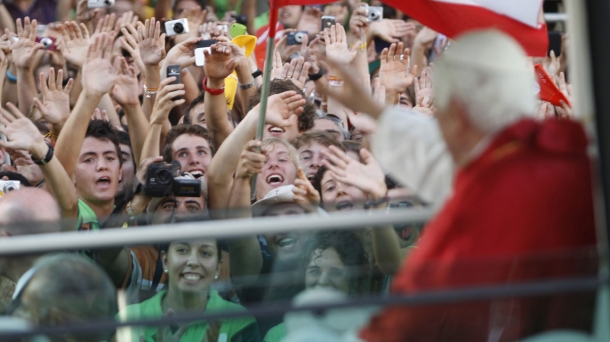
(212, 91)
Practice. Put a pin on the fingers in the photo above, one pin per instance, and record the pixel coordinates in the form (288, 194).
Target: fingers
(59, 80)
(14, 111)
(39, 106)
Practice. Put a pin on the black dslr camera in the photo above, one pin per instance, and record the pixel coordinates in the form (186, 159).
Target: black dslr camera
(161, 181)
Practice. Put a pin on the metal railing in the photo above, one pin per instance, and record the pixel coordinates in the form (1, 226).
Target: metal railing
(223, 229)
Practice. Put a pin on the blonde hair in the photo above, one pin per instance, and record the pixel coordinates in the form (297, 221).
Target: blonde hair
(270, 143)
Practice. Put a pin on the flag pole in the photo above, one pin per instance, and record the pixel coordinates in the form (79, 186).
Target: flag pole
(273, 12)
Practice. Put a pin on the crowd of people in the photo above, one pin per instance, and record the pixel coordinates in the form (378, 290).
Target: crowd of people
(121, 114)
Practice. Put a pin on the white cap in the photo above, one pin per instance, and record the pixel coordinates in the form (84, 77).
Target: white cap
(282, 194)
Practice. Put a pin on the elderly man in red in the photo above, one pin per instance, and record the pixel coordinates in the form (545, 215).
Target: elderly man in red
(521, 208)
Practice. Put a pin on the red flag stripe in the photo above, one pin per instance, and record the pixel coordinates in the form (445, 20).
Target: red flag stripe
(452, 19)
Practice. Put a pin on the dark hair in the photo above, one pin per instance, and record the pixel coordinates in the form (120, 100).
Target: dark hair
(14, 176)
(187, 118)
(322, 137)
(279, 86)
(124, 140)
(350, 249)
(179, 130)
(103, 130)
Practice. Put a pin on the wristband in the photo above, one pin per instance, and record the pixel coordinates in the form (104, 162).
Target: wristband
(10, 76)
(150, 91)
(212, 91)
(370, 204)
(46, 158)
(257, 73)
(316, 76)
(335, 81)
(247, 85)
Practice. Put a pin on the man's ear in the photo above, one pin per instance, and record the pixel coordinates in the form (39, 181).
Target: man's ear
(460, 114)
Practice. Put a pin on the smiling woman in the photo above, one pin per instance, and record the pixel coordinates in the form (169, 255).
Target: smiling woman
(191, 268)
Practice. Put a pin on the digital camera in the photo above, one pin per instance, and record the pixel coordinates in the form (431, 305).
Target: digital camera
(202, 46)
(8, 186)
(161, 181)
(100, 3)
(375, 13)
(175, 27)
(295, 38)
(48, 43)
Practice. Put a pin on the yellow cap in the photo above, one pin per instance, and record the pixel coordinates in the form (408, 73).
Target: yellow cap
(248, 43)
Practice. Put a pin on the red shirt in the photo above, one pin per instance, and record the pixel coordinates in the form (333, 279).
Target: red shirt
(521, 212)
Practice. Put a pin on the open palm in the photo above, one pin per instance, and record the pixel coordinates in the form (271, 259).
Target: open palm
(220, 64)
(367, 176)
(126, 89)
(20, 131)
(393, 71)
(281, 107)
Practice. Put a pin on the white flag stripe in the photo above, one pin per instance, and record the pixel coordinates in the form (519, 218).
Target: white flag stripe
(524, 11)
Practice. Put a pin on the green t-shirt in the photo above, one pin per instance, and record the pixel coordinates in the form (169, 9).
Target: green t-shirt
(275, 334)
(87, 220)
(243, 329)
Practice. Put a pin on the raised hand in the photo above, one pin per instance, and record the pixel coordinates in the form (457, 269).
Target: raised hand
(126, 88)
(56, 107)
(423, 87)
(151, 42)
(84, 14)
(106, 24)
(565, 111)
(426, 37)
(21, 132)
(336, 45)
(551, 64)
(195, 17)
(221, 60)
(99, 73)
(304, 193)
(390, 30)
(352, 94)
(393, 71)
(74, 42)
(128, 18)
(24, 49)
(130, 44)
(296, 71)
(251, 161)
(165, 100)
(182, 54)
(367, 176)
(280, 107)
(359, 22)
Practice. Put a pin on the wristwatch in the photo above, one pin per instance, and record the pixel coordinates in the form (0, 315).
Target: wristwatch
(316, 76)
(371, 204)
(46, 158)
(257, 73)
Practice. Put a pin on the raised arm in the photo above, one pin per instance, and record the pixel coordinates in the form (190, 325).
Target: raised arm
(24, 53)
(163, 105)
(56, 107)
(246, 257)
(22, 134)
(125, 93)
(151, 44)
(280, 108)
(368, 177)
(219, 64)
(99, 75)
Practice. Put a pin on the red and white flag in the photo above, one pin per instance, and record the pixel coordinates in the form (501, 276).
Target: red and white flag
(520, 19)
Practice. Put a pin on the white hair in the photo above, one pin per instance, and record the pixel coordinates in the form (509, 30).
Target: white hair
(488, 72)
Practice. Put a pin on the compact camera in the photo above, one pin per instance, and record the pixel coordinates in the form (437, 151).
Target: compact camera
(175, 27)
(375, 13)
(100, 3)
(295, 38)
(202, 46)
(161, 181)
(8, 186)
(48, 43)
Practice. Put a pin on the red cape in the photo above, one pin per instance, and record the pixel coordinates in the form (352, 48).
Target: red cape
(523, 211)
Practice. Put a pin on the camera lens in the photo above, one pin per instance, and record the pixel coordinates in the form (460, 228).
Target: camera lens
(46, 42)
(107, 2)
(298, 37)
(178, 28)
(9, 187)
(164, 176)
